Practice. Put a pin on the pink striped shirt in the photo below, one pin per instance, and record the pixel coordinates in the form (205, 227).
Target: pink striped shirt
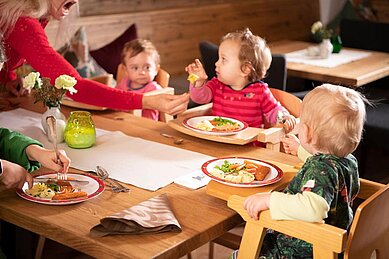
(251, 104)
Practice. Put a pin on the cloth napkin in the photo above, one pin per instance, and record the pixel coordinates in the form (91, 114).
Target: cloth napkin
(151, 216)
(335, 59)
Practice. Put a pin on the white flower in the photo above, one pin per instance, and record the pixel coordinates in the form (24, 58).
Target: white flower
(317, 26)
(32, 80)
(66, 82)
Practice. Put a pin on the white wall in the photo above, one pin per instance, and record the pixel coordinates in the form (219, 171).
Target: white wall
(329, 9)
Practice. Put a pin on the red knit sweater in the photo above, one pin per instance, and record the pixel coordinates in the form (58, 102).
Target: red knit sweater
(27, 42)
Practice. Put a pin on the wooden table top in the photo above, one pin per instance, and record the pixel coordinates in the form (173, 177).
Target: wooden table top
(202, 217)
(354, 74)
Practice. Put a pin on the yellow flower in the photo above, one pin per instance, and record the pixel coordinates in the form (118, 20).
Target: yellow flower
(50, 95)
(32, 80)
(316, 27)
(66, 82)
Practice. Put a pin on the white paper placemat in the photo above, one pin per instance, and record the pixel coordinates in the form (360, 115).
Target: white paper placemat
(145, 164)
(335, 59)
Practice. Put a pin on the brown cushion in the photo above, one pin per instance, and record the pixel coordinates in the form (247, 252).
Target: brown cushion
(77, 54)
(109, 56)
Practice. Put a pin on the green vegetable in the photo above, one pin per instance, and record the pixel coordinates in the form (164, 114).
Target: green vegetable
(54, 187)
(220, 121)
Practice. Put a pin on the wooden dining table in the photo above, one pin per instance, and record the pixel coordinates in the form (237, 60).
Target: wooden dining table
(354, 74)
(203, 217)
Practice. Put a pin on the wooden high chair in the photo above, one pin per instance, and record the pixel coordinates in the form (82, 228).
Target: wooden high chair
(162, 78)
(368, 234)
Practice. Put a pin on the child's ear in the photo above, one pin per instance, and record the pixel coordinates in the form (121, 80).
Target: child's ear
(307, 132)
(246, 70)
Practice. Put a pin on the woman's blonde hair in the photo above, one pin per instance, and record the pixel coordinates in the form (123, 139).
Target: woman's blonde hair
(254, 53)
(12, 10)
(134, 47)
(335, 116)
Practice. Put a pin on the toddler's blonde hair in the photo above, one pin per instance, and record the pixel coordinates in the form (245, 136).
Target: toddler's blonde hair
(253, 53)
(134, 47)
(335, 116)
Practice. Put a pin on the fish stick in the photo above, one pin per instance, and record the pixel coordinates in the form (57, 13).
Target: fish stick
(69, 195)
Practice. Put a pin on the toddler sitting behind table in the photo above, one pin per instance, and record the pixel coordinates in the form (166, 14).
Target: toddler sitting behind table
(141, 64)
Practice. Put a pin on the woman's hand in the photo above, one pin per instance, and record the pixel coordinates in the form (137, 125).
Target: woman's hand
(15, 87)
(290, 143)
(197, 68)
(167, 103)
(256, 203)
(48, 158)
(14, 176)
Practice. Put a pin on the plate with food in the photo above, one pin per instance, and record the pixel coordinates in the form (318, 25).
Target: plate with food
(48, 190)
(214, 125)
(242, 172)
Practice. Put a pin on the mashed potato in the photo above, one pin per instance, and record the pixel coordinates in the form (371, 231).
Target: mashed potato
(41, 190)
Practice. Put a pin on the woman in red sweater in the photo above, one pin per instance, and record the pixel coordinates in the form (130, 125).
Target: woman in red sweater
(22, 24)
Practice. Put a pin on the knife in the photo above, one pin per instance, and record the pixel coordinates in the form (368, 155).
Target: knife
(55, 181)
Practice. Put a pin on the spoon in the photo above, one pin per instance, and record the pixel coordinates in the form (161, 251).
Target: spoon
(104, 175)
(177, 141)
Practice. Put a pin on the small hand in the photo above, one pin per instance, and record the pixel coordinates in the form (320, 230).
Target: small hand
(15, 87)
(289, 123)
(48, 158)
(256, 203)
(290, 143)
(197, 69)
(14, 176)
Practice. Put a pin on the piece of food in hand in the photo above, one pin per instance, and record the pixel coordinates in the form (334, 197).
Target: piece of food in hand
(192, 78)
(69, 195)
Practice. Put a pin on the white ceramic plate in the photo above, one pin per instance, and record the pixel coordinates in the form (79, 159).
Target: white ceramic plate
(273, 176)
(93, 189)
(192, 122)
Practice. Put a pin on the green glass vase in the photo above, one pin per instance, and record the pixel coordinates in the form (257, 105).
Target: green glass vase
(80, 130)
(336, 43)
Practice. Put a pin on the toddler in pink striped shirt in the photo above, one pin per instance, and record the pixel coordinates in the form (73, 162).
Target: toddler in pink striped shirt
(237, 90)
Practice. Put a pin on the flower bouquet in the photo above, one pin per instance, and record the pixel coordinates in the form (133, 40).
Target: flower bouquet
(320, 32)
(51, 97)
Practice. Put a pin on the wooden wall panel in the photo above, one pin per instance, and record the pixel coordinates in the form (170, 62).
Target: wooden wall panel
(382, 8)
(177, 31)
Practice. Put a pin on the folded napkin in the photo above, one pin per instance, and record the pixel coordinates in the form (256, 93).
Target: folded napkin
(151, 216)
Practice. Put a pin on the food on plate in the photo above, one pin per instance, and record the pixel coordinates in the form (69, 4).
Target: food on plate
(69, 195)
(55, 190)
(245, 172)
(192, 78)
(218, 124)
(41, 190)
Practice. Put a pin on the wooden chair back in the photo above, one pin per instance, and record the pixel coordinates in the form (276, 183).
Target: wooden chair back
(369, 232)
(162, 78)
(272, 136)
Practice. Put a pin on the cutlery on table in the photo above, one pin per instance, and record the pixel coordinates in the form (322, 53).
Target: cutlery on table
(51, 122)
(175, 140)
(115, 185)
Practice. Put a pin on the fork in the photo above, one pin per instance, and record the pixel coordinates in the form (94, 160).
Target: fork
(51, 122)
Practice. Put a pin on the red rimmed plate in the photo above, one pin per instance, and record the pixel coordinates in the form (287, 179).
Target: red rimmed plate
(94, 188)
(273, 176)
(192, 122)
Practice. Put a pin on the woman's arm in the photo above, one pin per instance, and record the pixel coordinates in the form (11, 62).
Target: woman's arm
(29, 40)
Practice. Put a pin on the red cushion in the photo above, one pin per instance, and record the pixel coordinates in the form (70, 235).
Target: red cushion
(108, 56)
